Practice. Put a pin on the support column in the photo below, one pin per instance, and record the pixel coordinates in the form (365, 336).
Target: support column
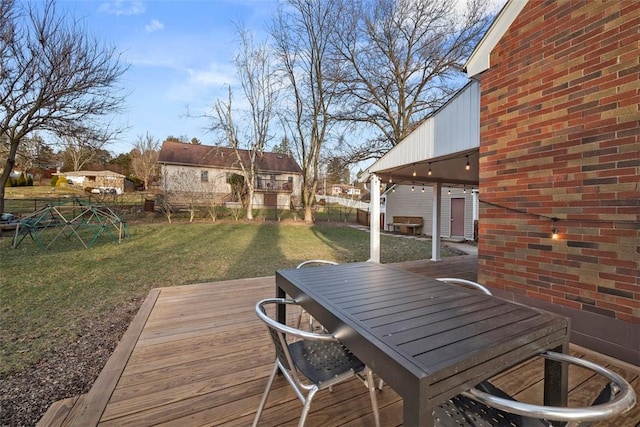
(435, 232)
(374, 212)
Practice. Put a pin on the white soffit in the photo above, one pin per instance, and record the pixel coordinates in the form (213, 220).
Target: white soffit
(479, 61)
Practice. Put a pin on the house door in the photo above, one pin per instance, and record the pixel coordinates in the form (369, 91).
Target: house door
(457, 217)
(270, 200)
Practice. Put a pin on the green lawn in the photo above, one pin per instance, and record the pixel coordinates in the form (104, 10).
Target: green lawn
(47, 297)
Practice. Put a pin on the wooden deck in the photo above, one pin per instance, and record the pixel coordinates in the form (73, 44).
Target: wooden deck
(197, 355)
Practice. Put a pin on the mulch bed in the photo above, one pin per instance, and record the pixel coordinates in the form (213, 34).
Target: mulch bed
(66, 372)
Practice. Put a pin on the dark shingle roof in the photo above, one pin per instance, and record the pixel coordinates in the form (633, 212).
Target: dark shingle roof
(179, 153)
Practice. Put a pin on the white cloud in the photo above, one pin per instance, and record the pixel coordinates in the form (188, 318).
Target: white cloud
(217, 75)
(122, 7)
(210, 81)
(154, 26)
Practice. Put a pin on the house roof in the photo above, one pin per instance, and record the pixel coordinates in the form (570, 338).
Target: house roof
(480, 58)
(179, 153)
(91, 173)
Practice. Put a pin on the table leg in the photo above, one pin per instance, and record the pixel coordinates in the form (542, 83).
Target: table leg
(416, 413)
(281, 314)
(556, 379)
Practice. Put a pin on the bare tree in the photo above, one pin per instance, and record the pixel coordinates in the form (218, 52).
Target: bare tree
(144, 161)
(54, 77)
(253, 67)
(28, 154)
(403, 62)
(83, 147)
(302, 32)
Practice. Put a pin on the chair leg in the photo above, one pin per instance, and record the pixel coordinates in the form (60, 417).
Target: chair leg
(371, 385)
(307, 406)
(265, 394)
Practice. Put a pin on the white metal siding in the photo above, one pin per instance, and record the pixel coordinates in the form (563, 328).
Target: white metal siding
(404, 202)
(415, 147)
(453, 128)
(457, 124)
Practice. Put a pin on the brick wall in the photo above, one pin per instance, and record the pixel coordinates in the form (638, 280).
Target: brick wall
(560, 138)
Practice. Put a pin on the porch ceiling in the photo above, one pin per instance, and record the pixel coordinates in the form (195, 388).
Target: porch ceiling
(449, 170)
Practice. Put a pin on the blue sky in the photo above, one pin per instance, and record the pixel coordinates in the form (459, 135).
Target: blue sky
(179, 53)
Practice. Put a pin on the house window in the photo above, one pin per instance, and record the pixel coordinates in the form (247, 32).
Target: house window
(204, 176)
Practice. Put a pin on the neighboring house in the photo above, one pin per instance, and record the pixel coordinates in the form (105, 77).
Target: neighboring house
(342, 189)
(353, 191)
(104, 180)
(557, 163)
(206, 169)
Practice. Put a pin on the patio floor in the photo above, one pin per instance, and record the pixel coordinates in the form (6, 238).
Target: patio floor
(197, 355)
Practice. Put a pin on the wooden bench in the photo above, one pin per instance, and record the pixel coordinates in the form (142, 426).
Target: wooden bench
(406, 224)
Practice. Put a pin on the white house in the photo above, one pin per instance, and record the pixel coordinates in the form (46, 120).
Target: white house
(104, 180)
(206, 169)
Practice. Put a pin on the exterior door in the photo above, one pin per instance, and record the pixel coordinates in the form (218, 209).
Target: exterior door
(270, 200)
(457, 217)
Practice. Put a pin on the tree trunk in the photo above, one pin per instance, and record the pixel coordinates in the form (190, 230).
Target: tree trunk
(4, 181)
(250, 204)
(4, 178)
(308, 205)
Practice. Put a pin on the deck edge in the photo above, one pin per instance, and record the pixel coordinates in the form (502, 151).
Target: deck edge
(98, 396)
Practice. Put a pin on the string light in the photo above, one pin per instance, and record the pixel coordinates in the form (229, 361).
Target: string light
(429, 173)
(468, 166)
(412, 187)
(390, 180)
(423, 188)
(414, 169)
(449, 192)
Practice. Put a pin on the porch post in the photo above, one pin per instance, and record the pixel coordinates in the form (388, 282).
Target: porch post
(374, 227)
(435, 215)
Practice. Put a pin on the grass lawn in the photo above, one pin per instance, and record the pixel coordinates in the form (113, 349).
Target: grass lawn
(47, 297)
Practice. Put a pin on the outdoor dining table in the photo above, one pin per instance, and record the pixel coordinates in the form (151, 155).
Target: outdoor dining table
(426, 339)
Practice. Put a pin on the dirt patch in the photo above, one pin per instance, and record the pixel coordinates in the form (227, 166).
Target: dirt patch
(68, 371)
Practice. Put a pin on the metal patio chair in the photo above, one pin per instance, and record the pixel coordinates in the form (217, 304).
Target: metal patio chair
(466, 283)
(310, 362)
(487, 405)
(310, 263)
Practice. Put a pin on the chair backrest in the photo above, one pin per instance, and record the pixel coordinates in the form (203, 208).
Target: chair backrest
(464, 282)
(282, 335)
(315, 262)
(608, 404)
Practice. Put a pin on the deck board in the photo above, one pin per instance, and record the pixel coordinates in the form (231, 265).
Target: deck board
(197, 355)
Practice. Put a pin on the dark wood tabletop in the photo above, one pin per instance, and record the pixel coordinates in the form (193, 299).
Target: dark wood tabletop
(426, 339)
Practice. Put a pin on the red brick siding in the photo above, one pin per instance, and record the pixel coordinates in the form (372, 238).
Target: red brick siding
(560, 138)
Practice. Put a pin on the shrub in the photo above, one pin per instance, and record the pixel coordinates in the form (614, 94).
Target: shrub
(61, 181)
(54, 181)
(22, 181)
